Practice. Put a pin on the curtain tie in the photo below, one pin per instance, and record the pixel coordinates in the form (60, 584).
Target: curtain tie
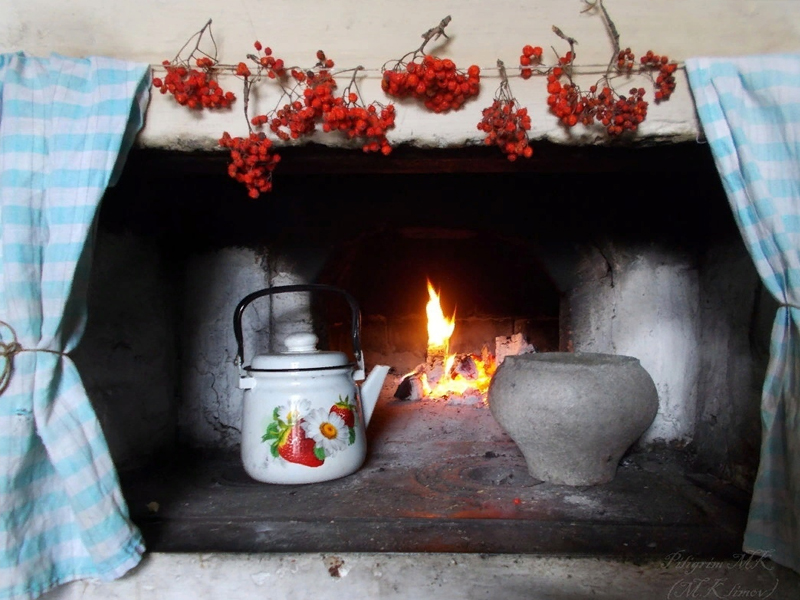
(788, 305)
(8, 350)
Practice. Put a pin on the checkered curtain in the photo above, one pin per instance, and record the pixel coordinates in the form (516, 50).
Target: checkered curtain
(65, 127)
(749, 108)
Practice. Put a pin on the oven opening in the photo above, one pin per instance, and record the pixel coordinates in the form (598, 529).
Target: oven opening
(603, 250)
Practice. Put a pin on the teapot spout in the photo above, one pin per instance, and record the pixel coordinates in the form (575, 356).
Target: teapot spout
(371, 389)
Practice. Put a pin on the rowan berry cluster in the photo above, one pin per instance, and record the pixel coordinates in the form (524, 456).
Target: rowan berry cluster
(274, 67)
(506, 125)
(625, 60)
(616, 113)
(310, 98)
(307, 94)
(436, 82)
(300, 115)
(530, 57)
(194, 86)
(252, 161)
(602, 104)
(313, 99)
(665, 81)
(366, 123)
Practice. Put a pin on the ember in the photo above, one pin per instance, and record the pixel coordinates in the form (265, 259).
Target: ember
(462, 378)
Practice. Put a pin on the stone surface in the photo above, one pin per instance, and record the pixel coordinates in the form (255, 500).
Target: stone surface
(210, 408)
(644, 301)
(127, 357)
(573, 415)
(439, 477)
(437, 576)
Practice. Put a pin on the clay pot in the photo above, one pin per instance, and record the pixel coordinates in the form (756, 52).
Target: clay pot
(573, 415)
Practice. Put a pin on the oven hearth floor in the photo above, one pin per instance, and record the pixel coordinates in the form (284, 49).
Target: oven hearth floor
(439, 477)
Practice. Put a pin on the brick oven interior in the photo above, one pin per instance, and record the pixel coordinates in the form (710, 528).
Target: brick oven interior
(541, 249)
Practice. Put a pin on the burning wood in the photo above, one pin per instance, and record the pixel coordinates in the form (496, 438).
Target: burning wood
(461, 378)
(510, 346)
(464, 366)
(411, 387)
(434, 367)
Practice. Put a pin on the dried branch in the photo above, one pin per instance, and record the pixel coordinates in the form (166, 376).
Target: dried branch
(246, 99)
(571, 41)
(353, 84)
(504, 91)
(434, 33)
(199, 37)
(612, 29)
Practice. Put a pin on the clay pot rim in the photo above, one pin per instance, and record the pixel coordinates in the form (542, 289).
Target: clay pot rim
(574, 358)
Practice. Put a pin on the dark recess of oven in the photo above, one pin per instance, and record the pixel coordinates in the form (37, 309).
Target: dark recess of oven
(443, 495)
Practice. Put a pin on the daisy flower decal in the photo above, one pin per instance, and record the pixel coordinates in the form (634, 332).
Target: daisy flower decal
(327, 429)
(296, 409)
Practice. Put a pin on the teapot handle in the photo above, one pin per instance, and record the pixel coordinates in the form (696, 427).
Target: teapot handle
(308, 287)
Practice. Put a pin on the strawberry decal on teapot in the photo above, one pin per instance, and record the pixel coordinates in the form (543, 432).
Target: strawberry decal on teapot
(347, 410)
(307, 437)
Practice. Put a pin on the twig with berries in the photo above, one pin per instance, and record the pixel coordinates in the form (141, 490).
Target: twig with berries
(307, 99)
(306, 93)
(665, 80)
(310, 99)
(194, 85)
(601, 104)
(253, 160)
(434, 81)
(506, 125)
(366, 123)
(252, 157)
(623, 61)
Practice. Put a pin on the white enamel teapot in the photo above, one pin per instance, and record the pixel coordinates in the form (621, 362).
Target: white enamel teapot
(304, 416)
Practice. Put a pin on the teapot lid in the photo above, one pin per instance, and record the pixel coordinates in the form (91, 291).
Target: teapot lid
(301, 354)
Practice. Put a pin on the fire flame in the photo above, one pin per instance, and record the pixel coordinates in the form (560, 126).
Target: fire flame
(443, 378)
(440, 328)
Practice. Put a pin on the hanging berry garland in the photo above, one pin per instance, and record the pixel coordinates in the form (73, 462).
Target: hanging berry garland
(309, 97)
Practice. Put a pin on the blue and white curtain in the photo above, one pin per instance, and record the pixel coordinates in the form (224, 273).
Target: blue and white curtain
(65, 127)
(749, 108)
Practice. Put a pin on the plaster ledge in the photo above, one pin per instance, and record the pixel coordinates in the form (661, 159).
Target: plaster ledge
(435, 576)
(172, 127)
